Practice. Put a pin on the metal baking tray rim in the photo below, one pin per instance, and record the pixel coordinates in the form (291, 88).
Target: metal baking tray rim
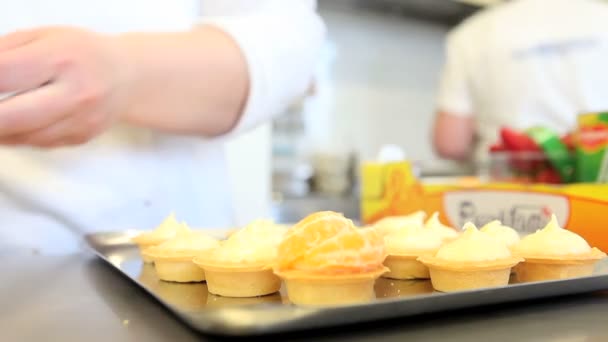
(265, 318)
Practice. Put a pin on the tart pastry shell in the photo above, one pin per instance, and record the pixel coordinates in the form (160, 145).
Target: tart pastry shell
(449, 276)
(542, 268)
(239, 281)
(178, 271)
(405, 267)
(311, 289)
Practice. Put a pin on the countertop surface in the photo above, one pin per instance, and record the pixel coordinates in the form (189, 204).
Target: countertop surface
(78, 297)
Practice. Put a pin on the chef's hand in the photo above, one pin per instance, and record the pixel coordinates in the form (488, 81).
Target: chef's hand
(69, 85)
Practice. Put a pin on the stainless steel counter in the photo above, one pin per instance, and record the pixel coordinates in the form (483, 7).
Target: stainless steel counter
(79, 298)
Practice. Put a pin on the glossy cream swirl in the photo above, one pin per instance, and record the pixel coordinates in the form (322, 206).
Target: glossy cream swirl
(392, 224)
(412, 241)
(188, 241)
(446, 233)
(552, 241)
(168, 229)
(473, 245)
(505, 234)
(255, 243)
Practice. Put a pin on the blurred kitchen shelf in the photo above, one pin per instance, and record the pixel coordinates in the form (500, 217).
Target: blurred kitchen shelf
(479, 3)
(447, 11)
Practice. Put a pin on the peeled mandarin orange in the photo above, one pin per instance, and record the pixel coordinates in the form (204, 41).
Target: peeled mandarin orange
(308, 233)
(353, 251)
(328, 242)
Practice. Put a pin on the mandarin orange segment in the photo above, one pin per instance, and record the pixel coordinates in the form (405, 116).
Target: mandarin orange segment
(354, 251)
(308, 233)
(321, 215)
(328, 242)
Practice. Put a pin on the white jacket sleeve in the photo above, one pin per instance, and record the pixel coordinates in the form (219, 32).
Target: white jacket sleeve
(454, 88)
(280, 40)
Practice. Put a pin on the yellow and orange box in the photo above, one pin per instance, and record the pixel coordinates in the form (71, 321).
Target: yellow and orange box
(389, 189)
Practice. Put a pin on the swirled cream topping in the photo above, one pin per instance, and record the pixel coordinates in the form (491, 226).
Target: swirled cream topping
(195, 241)
(473, 245)
(412, 241)
(446, 233)
(552, 240)
(392, 224)
(256, 243)
(503, 233)
(168, 229)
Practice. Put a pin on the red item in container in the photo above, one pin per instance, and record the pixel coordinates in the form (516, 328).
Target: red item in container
(517, 141)
(498, 147)
(550, 176)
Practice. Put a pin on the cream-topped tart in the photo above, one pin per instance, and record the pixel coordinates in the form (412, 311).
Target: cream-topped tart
(473, 260)
(555, 253)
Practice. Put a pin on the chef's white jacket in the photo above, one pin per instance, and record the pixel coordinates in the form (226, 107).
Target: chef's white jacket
(131, 177)
(525, 63)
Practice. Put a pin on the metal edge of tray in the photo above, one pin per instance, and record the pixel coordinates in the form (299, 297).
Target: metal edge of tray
(264, 319)
(274, 319)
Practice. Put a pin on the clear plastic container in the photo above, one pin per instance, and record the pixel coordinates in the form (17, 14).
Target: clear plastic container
(525, 167)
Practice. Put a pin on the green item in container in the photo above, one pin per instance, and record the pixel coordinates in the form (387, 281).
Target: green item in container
(556, 151)
(592, 148)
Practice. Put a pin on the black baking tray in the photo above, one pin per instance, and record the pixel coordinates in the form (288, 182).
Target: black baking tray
(212, 314)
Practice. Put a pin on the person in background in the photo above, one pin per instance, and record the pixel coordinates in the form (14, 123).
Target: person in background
(117, 113)
(520, 64)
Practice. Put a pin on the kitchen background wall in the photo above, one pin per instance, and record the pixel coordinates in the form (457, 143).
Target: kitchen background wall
(375, 84)
(378, 82)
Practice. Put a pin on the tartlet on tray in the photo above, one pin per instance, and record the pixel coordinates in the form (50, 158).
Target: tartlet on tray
(474, 260)
(326, 260)
(165, 231)
(555, 253)
(173, 258)
(241, 266)
(404, 247)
